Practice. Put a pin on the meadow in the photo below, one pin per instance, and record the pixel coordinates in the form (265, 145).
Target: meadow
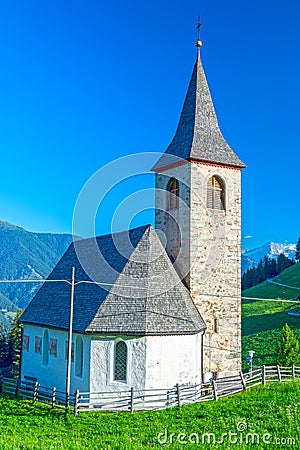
(263, 417)
(262, 321)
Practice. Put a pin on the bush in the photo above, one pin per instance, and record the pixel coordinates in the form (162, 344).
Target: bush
(288, 349)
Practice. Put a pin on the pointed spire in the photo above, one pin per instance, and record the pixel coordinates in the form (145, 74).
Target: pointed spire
(198, 135)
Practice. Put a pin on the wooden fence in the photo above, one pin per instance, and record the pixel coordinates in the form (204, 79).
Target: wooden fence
(149, 399)
(35, 392)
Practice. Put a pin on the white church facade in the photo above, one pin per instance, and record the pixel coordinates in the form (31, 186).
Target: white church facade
(161, 306)
(143, 331)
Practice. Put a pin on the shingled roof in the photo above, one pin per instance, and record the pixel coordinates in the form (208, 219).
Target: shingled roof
(139, 292)
(198, 136)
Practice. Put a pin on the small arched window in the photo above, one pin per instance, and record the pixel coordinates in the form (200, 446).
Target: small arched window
(173, 194)
(46, 348)
(215, 193)
(120, 361)
(79, 357)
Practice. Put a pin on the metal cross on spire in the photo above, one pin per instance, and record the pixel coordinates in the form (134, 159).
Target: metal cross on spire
(198, 43)
(198, 27)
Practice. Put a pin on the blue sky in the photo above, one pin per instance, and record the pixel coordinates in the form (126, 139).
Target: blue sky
(86, 82)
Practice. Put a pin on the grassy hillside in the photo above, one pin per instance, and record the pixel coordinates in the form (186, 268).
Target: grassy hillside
(290, 277)
(273, 409)
(263, 320)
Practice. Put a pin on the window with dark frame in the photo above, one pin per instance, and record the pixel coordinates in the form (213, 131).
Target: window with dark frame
(38, 344)
(216, 329)
(25, 343)
(120, 362)
(215, 193)
(173, 194)
(53, 347)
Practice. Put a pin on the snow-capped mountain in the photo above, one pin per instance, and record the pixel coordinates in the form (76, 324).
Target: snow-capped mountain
(250, 258)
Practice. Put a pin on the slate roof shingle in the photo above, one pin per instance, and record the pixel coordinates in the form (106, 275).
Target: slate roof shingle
(140, 291)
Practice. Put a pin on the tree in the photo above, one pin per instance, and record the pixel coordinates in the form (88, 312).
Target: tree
(283, 262)
(288, 349)
(297, 255)
(3, 347)
(14, 345)
(274, 270)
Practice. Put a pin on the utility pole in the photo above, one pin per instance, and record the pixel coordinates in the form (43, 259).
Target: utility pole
(69, 356)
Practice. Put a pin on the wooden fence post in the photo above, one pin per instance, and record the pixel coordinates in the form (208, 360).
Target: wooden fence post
(17, 388)
(76, 402)
(279, 373)
(214, 385)
(178, 394)
(67, 404)
(53, 401)
(243, 380)
(131, 399)
(35, 392)
(263, 374)
(293, 372)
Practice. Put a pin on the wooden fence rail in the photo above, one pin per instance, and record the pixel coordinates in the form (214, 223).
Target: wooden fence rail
(149, 399)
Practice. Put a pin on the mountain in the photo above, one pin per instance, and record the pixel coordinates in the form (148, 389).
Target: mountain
(250, 258)
(25, 255)
(247, 263)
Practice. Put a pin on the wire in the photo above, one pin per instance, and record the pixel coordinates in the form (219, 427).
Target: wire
(99, 283)
(35, 281)
(221, 348)
(271, 300)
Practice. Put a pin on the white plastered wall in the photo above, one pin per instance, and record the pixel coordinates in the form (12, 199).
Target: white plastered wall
(53, 374)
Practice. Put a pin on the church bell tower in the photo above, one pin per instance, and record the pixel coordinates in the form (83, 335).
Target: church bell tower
(198, 216)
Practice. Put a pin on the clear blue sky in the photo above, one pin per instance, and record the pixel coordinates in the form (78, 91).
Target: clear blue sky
(85, 82)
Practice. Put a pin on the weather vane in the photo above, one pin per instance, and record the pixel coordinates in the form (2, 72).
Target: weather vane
(198, 43)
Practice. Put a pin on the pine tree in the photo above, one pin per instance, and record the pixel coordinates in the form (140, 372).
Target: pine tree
(14, 345)
(274, 270)
(3, 347)
(283, 262)
(288, 349)
(297, 256)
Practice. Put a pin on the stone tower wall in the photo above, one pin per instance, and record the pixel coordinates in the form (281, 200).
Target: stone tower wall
(215, 277)
(209, 256)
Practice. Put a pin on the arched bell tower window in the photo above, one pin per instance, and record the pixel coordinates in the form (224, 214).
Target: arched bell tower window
(215, 193)
(120, 361)
(173, 194)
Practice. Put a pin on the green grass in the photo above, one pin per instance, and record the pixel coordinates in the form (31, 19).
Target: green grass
(263, 320)
(290, 277)
(272, 409)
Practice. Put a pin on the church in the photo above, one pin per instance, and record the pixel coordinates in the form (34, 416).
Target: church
(152, 306)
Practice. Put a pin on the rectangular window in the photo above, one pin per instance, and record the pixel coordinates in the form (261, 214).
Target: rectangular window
(38, 345)
(25, 343)
(216, 328)
(53, 347)
(72, 351)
